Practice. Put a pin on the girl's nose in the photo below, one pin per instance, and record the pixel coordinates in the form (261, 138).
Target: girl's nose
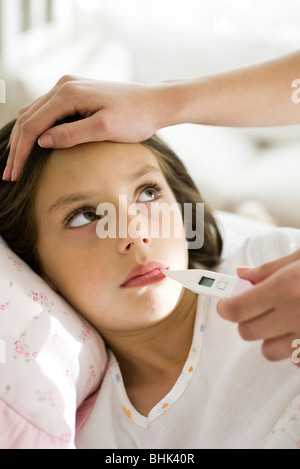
(134, 234)
(129, 243)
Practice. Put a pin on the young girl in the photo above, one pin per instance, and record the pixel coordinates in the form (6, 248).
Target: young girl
(178, 375)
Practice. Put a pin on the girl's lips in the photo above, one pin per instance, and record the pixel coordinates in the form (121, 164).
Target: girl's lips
(144, 274)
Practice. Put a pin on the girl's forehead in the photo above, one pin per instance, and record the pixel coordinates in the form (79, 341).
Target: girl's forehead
(104, 165)
(105, 157)
(95, 172)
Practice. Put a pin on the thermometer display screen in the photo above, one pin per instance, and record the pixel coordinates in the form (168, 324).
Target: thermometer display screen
(206, 282)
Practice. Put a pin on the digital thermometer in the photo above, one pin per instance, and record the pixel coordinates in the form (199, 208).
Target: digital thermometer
(205, 282)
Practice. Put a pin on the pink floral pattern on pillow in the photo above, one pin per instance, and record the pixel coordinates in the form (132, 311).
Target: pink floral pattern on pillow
(54, 359)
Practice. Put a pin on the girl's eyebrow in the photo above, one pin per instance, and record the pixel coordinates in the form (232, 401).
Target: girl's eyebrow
(67, 200)
(149, 168)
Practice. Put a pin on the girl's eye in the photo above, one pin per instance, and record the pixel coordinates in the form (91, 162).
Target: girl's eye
(149, 193)
(81, 218)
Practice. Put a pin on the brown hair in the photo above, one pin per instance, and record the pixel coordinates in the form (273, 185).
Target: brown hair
(17, 223)
(186, 192)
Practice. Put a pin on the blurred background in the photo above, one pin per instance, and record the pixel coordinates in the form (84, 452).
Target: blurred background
(255, 172)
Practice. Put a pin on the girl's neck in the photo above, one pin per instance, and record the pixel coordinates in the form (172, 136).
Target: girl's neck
(160, 349)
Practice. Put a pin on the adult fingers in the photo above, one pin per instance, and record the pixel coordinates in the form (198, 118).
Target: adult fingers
(279, 321)
(23, 115)
(30, 128)
(277, 290)
(33, 119)
(258, 274)
(279, 348)
(27, 111)
(259, 300)
(270, 311)
(89, 129)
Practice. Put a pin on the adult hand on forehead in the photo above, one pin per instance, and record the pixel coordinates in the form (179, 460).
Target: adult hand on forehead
(113, 111)
(271, 310)
(132, 113)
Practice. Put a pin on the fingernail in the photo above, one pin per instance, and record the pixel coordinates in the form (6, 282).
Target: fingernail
(244, 272)
(45, 141)
(14, 175)
(5, 174)
(244, 269)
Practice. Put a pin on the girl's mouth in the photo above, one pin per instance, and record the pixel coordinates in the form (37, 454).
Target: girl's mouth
(144, 274)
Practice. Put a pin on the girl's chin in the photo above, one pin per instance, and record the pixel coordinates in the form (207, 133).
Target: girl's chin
(159, 301)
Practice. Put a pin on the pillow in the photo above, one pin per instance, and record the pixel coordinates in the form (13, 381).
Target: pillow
(51, 360)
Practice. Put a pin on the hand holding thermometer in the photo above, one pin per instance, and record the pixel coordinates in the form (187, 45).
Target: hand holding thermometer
(205, 282)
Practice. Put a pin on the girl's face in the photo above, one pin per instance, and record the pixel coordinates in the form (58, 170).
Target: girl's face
(89, 271)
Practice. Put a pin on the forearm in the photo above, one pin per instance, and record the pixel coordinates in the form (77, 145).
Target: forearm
(259, 95)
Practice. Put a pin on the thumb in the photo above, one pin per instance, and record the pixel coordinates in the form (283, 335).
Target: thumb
(255, 275)
(258, 274)
(71, 134)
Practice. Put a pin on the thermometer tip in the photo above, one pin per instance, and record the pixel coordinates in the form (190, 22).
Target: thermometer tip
(164, 272)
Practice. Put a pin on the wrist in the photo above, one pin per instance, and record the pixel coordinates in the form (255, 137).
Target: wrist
(179, 101)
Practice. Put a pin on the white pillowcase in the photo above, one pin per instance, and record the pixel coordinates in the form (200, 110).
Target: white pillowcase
(51, 359)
